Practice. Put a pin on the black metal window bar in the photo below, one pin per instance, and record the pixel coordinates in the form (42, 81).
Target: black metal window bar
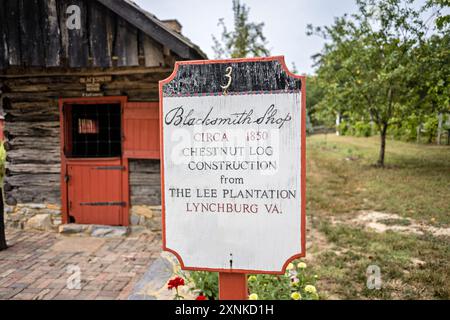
(96, 131)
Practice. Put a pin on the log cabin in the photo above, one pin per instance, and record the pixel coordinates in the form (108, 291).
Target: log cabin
(79, 91)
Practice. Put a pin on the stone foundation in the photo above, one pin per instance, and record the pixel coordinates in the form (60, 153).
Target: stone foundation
(146, 216)
(48, 217)
(41, 217)
(93, 231)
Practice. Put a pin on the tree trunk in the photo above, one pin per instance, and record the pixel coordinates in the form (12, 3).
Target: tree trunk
(3, 245)
(439, 131)
(383, 134)
(419, 130)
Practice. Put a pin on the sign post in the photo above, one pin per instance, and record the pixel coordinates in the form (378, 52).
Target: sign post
(233, 138)
(233, 286)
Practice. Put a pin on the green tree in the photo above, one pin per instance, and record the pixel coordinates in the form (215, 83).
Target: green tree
(245, 40)
(429, 82)
(314, 95)
(365, 66)
(442, 21)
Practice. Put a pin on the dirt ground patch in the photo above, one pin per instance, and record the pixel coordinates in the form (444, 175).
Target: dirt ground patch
(381, 222)
(316, 245)
(394, 218)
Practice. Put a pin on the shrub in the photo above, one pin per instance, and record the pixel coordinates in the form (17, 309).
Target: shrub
(296, 284)
(206, 283)
(343, 128)
(361, 129)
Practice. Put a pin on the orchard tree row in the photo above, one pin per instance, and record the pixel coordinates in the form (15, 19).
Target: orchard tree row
(384, 70)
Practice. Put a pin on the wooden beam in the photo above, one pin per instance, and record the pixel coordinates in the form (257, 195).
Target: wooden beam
(126, 45)
(13, 35)
(101, 35)
(3, 31)
(52, 34)
(152, 28)
(19, 73)
(153, 52)
(75, 42)
(31, 35)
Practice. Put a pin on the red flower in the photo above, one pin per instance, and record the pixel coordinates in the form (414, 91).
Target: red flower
(201, 297)
(175, 283)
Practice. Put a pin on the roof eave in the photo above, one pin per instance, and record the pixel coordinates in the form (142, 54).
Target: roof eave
(154, 28)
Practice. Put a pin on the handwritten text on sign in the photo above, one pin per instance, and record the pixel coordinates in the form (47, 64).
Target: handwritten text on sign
(232, 179)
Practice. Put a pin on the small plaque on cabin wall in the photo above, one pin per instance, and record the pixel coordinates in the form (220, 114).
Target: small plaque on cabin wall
(93, 84)
(233, 162)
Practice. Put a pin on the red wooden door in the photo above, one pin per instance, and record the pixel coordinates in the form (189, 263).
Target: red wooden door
(95, 192)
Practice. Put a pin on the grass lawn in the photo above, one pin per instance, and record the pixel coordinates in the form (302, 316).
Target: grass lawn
(407, 237)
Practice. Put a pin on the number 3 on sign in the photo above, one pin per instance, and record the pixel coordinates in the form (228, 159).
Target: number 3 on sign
(227, 75)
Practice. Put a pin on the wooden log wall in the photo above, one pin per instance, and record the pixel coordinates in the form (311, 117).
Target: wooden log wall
(30, 103)
(33, 33)
(145, 182)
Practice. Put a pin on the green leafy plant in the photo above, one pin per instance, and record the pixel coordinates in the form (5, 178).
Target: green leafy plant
(298, 283)
(207, 283)
(372, 60)
(362, 129)
(344, 128)
(246, 39)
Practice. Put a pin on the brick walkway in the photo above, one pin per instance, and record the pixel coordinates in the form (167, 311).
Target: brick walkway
(43, 266)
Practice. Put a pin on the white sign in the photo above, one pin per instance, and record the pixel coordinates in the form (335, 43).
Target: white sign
(232, 180)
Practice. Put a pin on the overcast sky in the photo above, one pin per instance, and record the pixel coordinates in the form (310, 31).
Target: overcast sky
(285, 22)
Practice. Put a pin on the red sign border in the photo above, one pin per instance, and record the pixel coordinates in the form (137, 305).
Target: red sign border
(281, 60)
